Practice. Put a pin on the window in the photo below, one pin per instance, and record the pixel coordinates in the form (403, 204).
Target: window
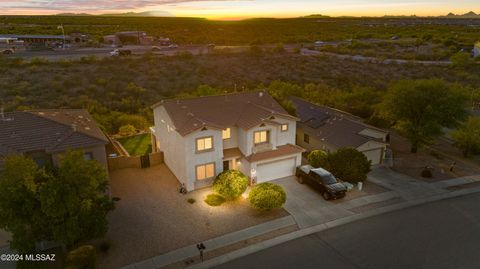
(306, 138)
(205, 171)
(226, 134)
(284, 127)
(260, 137)
(88, 156)
(204, 143)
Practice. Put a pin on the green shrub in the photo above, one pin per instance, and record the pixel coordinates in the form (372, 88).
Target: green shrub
(81, 258)
(127, 130)
(214, 200)
(191, 200)
(318, 158)
(230, 184)
(349, 164)
(267, 196)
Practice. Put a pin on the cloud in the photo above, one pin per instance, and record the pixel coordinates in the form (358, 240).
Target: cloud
(89, 5)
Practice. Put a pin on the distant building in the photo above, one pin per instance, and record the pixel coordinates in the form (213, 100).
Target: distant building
(129, 37)
(476, 50)
(45, 41)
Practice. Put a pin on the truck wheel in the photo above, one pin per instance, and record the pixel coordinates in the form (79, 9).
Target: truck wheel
(326, 195)
(300, 179)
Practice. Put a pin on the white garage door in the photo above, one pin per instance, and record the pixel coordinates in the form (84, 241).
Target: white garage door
(275, 170)
(374, 155)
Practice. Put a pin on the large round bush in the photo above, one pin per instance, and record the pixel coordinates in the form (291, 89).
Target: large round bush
(349, 164)
(267, 196)
(230, 184)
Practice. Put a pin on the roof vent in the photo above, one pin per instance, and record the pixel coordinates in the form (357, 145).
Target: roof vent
(260, 94)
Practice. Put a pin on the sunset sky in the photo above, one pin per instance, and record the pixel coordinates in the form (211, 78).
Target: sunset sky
(236, 9)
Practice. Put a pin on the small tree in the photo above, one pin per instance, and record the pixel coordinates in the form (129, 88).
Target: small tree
(267, 196)
(127, 130)
(230, 184)
(318, 158)
(349, 164)
(467, 137)
(67, 205)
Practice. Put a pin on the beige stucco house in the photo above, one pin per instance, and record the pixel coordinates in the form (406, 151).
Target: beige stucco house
(329, 129)
(45, 135)
(248, 131)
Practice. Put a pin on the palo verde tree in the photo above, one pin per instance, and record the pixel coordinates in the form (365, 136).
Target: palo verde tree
(419, 109)
(67, 205)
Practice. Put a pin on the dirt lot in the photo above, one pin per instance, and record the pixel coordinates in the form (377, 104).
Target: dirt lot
(153, 218)
(439, 157)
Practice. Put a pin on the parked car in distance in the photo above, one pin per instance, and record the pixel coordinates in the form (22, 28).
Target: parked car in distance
(322, 180)
(155, 48)
(118, 52)
(173, 46)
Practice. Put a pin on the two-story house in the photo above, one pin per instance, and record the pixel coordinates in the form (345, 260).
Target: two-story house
(248, 131)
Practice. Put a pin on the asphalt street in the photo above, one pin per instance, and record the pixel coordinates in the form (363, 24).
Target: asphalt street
(439, 235)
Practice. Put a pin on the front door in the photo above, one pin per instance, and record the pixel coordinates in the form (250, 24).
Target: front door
(226, 165)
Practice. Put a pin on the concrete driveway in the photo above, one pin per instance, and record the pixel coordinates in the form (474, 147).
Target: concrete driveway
(307, 205)
(152, 218)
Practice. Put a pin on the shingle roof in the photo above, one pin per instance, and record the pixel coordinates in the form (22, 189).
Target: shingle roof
(335, 127)
(283, 150)
(244, 110)
(49, 130)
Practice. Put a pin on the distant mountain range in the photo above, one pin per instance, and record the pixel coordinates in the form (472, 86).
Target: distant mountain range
(469, 15)
(127, 14)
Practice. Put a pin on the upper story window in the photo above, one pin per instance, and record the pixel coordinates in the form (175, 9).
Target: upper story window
(226, 134)
(204, 144)
(284, 127)
(260, 137)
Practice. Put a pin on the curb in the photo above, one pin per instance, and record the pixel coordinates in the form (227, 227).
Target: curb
(325, 226)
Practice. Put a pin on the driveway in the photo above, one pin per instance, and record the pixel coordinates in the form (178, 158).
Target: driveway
(308, 207)
(152, 218)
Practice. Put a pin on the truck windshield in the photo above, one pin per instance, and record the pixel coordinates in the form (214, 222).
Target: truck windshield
(328, 179)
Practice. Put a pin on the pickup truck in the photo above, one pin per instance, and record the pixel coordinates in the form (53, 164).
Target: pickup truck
(322, 180)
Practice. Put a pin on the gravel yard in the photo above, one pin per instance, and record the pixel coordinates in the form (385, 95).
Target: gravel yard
(439, 157)
(153, 218)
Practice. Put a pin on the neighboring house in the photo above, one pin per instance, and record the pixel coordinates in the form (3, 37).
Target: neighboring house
(476, 50)
(329, 129)
(45, 135)
(249, 131)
